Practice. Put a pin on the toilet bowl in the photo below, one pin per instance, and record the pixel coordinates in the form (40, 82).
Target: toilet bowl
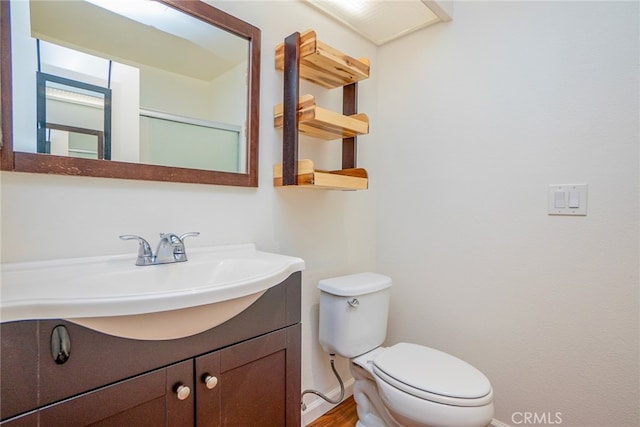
(405, 384)
(420, 386)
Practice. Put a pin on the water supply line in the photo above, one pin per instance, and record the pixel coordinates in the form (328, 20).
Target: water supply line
(317, 393)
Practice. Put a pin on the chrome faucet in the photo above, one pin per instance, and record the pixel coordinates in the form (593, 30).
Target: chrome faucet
(170, 249)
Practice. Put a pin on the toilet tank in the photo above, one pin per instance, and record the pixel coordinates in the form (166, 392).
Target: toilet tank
(353, 313)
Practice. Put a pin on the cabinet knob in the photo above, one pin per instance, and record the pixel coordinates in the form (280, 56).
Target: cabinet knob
(182, 391)
(210, 381)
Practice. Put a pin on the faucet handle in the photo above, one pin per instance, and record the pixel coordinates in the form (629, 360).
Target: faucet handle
(189, 234)
(145, 254)
(180, 252)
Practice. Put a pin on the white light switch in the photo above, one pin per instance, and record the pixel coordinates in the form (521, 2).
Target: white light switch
(574, 199)
(568, 199)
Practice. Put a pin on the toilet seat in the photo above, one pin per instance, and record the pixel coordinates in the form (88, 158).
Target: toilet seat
(432, 375)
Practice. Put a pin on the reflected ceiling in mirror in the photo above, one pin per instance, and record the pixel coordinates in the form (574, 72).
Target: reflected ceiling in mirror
(184, 81)
(140, 32)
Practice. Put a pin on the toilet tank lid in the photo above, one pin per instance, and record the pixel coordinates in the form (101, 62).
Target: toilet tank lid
(355, 284)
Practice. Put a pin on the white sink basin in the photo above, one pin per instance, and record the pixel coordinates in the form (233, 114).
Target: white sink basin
(112, 295)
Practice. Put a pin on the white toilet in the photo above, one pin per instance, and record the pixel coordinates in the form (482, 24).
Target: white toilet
(405, 384)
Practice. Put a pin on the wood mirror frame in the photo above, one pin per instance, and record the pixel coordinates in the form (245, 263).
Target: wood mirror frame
(50, 164)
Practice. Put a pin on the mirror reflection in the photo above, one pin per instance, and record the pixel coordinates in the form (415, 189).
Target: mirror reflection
(132, 81)
(70, 108)
(71, 141)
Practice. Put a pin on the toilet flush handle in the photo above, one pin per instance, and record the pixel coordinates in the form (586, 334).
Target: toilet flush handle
(353, 302)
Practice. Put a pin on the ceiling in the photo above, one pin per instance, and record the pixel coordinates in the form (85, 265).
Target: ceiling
(382, 21)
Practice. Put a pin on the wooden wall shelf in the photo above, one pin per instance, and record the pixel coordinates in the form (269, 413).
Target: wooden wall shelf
(309, 177)
(302, 56)
(324, 124)
(324, 65)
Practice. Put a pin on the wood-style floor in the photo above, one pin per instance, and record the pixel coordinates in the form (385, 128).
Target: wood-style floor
(343, 415)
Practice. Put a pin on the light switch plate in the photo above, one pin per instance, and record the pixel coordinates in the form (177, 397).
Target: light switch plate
(574, 197)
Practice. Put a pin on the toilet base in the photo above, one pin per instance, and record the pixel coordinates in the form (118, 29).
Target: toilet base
(371, 410)
(368, 415)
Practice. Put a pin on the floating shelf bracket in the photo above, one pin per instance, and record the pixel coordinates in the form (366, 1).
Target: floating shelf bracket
(349, 107)
(290, 109)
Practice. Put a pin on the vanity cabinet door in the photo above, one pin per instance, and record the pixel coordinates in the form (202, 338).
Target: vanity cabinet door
(147, 400)
(251, 387)
(207, 378)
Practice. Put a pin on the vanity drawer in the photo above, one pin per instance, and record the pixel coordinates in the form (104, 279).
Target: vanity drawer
(142, 400)
(148, 399)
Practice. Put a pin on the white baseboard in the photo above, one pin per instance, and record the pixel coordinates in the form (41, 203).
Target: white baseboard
(496, 423)
(316, 406)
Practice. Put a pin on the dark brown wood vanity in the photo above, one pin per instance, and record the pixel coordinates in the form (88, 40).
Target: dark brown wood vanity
(251, 362)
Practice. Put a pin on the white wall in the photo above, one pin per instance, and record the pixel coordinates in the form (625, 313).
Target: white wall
(477, 117)
(47, 216)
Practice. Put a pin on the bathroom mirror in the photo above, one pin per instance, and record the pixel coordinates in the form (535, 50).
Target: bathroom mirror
(176, 86)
